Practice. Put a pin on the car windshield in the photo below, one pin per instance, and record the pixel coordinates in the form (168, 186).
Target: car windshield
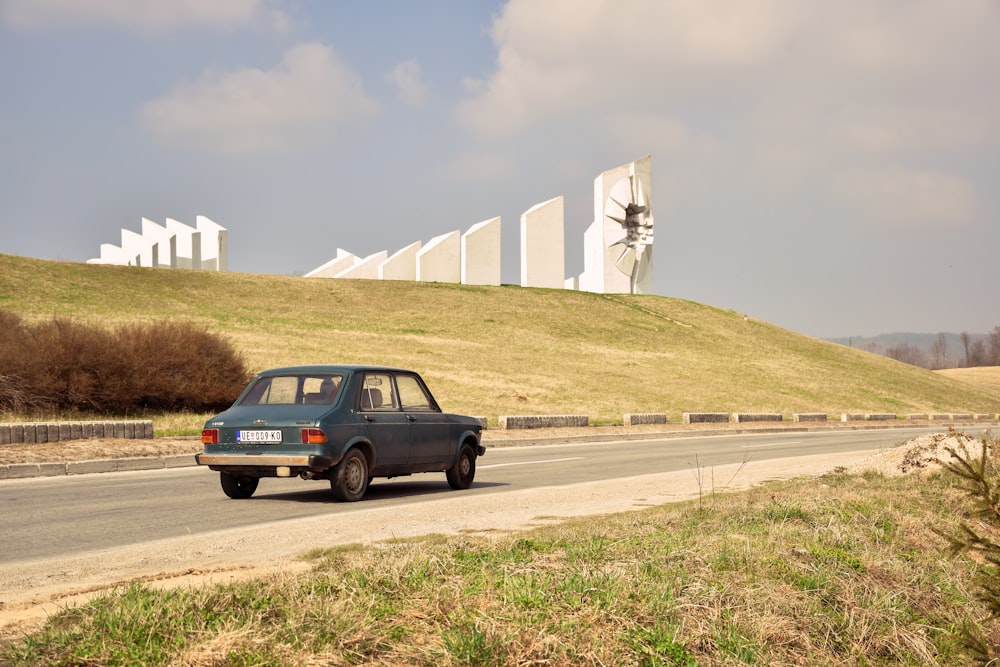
(293, 390)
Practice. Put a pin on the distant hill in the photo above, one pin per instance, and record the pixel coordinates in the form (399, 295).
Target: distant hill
(503, 350)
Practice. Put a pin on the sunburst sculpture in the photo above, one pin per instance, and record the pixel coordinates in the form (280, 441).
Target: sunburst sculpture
(636, 220)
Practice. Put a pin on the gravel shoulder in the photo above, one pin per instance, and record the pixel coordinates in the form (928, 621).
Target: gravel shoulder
(32, 591)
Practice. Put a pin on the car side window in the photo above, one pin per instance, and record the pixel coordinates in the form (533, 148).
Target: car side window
(412, 394)
(273, 391)
(377, 393)
(320, 390)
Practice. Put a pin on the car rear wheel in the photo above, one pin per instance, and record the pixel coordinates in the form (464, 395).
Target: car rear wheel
(238, 487)
(350, 477)
(460, 476)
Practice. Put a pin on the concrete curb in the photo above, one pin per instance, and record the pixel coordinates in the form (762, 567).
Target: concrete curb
(26, 470)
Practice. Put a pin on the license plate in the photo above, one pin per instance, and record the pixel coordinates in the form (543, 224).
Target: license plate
(258, 436)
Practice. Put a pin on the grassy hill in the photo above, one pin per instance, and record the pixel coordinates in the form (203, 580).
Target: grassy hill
(503, 350)
(984, 377)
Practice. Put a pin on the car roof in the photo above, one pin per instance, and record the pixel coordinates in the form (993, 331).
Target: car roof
(329, 369)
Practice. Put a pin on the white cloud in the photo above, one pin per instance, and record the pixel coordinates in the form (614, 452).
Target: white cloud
(139, 15)
(566, 55)
(303, 102)
(887, 99)
(407, 77)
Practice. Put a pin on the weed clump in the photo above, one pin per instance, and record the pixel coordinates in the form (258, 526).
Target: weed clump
(65, 365)
(977, 466)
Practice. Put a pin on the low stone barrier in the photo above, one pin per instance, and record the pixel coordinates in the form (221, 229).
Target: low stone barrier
(916, 416)
(740, 417)
(852, 417)
(25, 470)
(704, 417)
(637, 418)
(942, 417)
(879, 417)
(979, 417)
(42, 432)
(809, 417)
(542, 421)
(965, 417)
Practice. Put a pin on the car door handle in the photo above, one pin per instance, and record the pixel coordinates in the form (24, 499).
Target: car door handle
(369, 418)
(411, 418)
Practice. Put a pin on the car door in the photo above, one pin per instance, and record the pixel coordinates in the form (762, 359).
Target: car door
(429, 433)
(388, 428)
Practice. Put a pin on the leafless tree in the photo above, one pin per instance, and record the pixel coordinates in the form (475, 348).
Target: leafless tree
(977, 355)
(872, 346)
(908, 354)
(966, 344)
(939, 353)
(993, 354)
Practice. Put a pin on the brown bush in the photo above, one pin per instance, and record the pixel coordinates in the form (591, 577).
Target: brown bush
(63, 364)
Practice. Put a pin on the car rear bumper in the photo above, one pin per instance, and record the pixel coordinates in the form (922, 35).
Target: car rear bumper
(305, 461)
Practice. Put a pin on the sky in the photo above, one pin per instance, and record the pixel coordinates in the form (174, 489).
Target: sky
(830, 167)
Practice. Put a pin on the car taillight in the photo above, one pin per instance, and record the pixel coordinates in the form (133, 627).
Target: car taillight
(313, 436)
(210, 436)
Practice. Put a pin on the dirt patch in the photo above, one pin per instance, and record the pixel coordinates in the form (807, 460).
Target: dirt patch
(922, 455)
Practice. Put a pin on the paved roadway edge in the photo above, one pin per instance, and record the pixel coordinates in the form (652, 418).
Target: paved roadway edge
(57, 469)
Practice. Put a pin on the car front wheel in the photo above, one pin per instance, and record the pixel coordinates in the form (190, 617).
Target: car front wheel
(460, 476)
(350, 477)
(238, 487)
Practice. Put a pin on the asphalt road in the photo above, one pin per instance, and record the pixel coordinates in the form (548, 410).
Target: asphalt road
(52, 517)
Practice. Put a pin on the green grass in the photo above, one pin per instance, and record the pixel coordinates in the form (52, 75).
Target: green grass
(844, 570)
(503, 350)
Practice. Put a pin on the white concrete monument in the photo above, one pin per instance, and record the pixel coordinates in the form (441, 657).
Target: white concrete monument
(143, 249)
(342, 260)
(481, 253)
(214, 244)
(112, 254)
(543, 252)
(366, 268)
(618, 245)
(165, 243)
(188, 241)
(440, 260)
(174, 245)
(402, 265)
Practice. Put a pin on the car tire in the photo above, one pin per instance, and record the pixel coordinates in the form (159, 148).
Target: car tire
(460, 475)
(350, 477)
(238, 487)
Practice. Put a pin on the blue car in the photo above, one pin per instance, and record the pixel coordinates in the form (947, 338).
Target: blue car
(343, 423)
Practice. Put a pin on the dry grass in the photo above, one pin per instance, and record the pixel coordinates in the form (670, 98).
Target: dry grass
(503, 350)
(984, 377)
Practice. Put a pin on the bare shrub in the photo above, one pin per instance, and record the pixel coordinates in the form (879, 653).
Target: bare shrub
(66, 365)
(63, 364)
(13, 392)
(176, 366)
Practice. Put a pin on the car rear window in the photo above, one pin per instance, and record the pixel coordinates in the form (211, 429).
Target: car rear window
(293, 390)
